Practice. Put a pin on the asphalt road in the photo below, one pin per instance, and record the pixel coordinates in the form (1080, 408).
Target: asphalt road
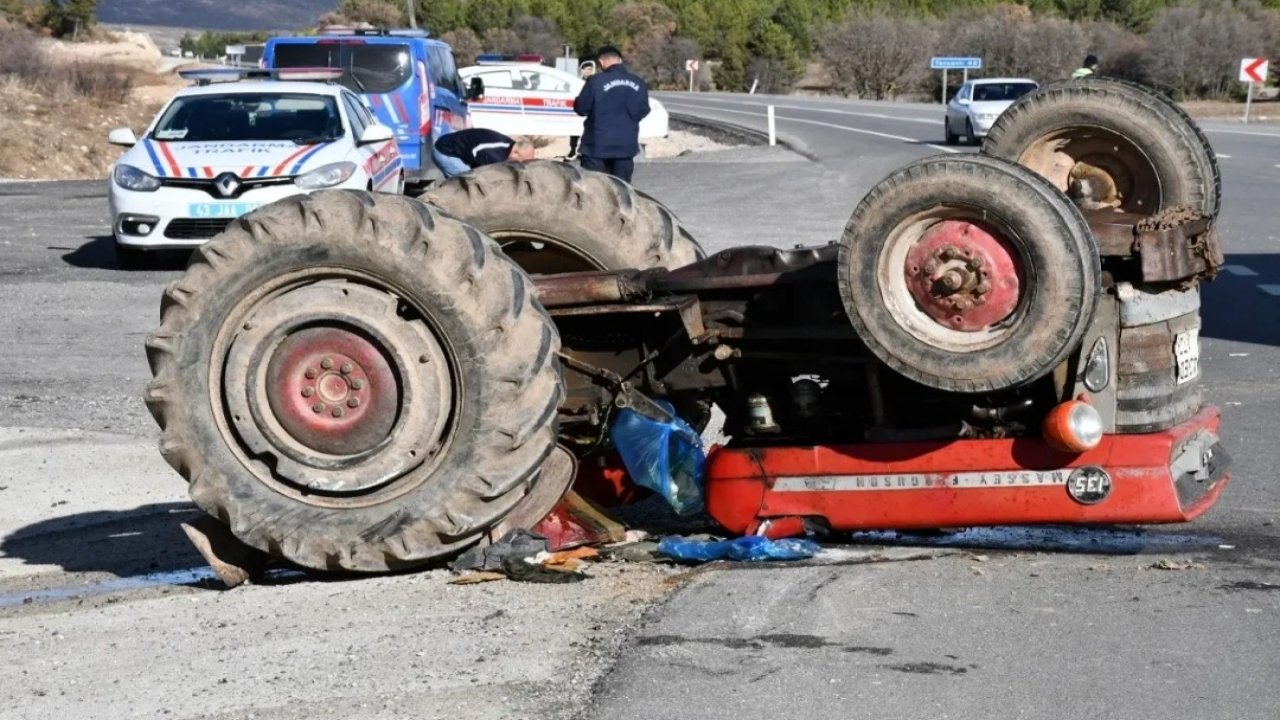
(103, 612)
(1033, 624)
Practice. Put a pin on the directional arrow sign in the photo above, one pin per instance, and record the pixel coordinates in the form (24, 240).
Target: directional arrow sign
(1253, 70)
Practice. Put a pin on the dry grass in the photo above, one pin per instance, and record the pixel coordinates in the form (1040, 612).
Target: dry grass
(24, 58)
(57, 115)
(1263, 111)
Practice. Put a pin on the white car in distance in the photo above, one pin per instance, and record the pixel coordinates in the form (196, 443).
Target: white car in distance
(534, 99)
(231, 143)
(978, 103)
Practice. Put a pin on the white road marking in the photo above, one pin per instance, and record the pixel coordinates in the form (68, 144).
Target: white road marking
(1222, 157)
(1270, 289)
(820, 124)
(1239, 270)
(879, 116)
(1242, 132)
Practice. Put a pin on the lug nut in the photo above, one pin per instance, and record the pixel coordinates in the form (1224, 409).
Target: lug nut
(327, 364)
(346, 369)
(976, 262)
(356, 384)
(317, 408)
(952, 280)
(983, 288)
(353, 403)
(311, 373)
(930, 267)
(337, 412)
(308, 391)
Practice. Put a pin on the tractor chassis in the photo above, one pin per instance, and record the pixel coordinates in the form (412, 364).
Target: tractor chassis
(705, 330)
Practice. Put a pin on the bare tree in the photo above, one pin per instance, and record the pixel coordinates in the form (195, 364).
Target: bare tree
(660, 59)
(876, 55)
(379, 13)
(1196, 50)
(637, 22)
(527, 34)
(775, 75)
(1012, 41)
(465, 43)
(1122, 54)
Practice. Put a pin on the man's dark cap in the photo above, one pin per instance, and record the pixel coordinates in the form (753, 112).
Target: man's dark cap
(1090, 60)
(609, 50)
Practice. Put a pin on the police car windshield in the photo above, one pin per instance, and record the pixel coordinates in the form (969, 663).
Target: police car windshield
(999, 92)
(251, 116)
(366, 68)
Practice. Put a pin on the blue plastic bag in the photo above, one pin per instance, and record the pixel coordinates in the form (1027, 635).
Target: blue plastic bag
(666, 457)
(750, 548)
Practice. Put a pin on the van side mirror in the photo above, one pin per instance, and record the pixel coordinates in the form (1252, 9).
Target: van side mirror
(376, 134)
(123, 137)
(475, 90)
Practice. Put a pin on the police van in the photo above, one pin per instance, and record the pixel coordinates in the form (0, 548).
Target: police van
(408, 80)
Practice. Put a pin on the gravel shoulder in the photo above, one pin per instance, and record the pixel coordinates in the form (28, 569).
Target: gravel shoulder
(105, 612)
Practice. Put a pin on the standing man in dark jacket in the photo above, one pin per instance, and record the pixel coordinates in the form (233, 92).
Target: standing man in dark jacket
(614, 102)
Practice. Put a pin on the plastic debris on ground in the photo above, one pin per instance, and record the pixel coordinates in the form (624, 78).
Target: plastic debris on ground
(532, 571)
(751, 548)
(523, 556)
(477, 577)
(666, 457)
(639, 551)
(517, 543)
(575, 522)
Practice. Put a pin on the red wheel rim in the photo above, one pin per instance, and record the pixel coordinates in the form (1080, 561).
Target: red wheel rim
(964, 276)
(333, 390)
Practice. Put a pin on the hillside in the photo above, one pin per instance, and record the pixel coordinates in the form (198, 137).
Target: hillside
(215, 14)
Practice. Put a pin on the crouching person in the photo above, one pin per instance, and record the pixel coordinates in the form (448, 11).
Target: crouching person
(464, 150)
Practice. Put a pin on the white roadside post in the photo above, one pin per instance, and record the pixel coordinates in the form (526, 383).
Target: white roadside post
(773, 128)
(692, 67)
(1252, 71)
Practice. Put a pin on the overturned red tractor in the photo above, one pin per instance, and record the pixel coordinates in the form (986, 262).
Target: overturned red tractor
(363, 382)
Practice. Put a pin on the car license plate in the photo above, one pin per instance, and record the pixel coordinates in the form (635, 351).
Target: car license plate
(1186, 350)
(220, 209)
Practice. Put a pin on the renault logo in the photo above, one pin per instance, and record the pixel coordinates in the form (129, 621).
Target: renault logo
(227, 184)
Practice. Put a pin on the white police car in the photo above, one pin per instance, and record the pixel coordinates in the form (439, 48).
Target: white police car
(234, 142)
(524, 97)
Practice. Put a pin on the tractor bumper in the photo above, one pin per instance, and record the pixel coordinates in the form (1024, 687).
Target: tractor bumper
(1164, 477)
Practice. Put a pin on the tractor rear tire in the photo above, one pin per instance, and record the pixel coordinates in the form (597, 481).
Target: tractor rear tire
(432, 369)
(552, 216)
(1154, 153)
(973, 215)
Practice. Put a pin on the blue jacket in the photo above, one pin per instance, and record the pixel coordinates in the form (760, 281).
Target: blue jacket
(614, 102)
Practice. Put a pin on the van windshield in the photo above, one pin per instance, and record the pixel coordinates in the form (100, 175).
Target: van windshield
(366, 68)
(304, 119)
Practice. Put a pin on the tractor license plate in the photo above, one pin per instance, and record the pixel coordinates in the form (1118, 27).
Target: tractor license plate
(220, 209)
(1186, 350)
